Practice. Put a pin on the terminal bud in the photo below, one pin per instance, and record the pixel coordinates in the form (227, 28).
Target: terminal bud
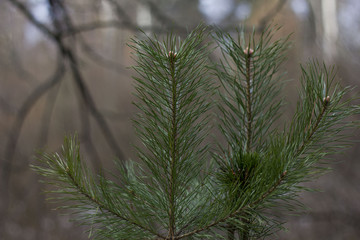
(248, 51)
(326, 100)
(172, 54)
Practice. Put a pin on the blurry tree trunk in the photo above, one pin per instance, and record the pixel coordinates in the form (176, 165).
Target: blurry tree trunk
(143, 16)
(110, 35)
(330, 27)
(326, 27)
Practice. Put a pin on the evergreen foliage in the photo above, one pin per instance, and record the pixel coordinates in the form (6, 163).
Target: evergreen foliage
(183, 188)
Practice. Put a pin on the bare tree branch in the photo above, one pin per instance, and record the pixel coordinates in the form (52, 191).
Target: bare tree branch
(106, 63)
(68, 54)
(24, 10)
(7, 163)
(121, 14)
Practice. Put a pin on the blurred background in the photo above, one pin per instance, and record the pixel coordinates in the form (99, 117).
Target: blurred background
(64, 69)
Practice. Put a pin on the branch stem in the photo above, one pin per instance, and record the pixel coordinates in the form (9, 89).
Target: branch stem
(244, 233)
(173, 148)
(248, 102)
(315, 127)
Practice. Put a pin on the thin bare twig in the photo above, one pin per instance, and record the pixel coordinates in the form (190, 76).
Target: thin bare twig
(106, 63)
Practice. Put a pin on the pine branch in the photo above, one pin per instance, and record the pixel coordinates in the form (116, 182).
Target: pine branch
(248, 75)
(315, 126)
(79, 185)
(103, 207)
(239, 211)
(309, 134)
(173, 90)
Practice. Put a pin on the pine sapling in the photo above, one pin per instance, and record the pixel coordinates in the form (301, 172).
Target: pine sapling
(183, 186)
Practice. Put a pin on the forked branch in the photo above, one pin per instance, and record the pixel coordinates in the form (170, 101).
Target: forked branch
(240, 210)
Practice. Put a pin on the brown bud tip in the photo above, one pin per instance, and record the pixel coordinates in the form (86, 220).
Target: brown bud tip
(172, 54)
(283, 174)
(248, 51)
(326, 99)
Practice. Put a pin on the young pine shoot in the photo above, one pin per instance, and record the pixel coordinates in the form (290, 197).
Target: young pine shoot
(185, 187)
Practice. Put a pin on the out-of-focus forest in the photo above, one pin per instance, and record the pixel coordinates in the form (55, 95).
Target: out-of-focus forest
(64, 68)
